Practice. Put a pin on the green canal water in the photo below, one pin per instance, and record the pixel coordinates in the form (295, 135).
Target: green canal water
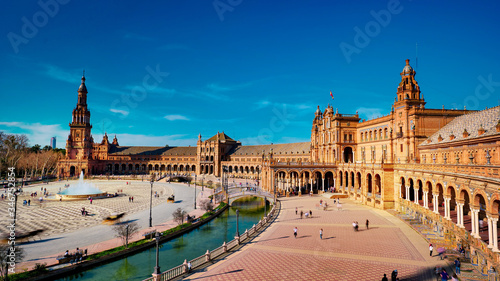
(174, 252)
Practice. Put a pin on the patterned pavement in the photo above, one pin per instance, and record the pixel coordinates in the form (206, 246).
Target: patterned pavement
(342, 254)
(57, 217)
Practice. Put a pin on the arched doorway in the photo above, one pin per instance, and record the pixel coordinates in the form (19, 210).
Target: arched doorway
(403, 188)
(72, 170)
(348, 155)
(329, 181)
(411, 196)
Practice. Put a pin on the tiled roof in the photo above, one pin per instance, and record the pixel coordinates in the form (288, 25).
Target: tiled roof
(299, 148)
(152, 150)
(472, 122)
(222, 137)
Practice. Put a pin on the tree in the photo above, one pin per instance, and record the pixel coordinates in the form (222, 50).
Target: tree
(5, 258)
(36, 148)
(206, 205)
(47, 148)
(125, 234)
(179, 215)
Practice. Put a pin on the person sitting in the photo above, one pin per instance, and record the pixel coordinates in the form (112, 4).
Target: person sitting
(66, 254)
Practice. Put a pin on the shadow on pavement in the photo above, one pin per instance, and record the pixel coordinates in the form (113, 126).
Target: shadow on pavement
(39, 241)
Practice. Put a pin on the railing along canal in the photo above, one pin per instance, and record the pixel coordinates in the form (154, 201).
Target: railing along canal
(215, 253)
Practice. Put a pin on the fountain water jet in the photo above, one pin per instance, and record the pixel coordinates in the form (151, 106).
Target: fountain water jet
(82, 190)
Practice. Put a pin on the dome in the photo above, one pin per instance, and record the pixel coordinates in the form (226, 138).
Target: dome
(318, 111)
(82, 87)
(407, 68)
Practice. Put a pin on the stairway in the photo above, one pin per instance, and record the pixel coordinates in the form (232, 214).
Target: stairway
(469, 272)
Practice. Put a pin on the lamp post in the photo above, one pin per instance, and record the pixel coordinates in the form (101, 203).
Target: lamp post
(151, 203)
(157, 267)
(195, 196)
(237, 226)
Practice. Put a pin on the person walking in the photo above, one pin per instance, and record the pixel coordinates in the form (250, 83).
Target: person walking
(301, 213)
(394, 275)
(296, 209)
(311, 213)
(295, 232)
(457, 266)
(367, 222)
(430, 250)
(444, 275)
(385, 278)
(321, 234)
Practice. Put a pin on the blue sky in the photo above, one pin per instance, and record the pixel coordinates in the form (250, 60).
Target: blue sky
(161, 72)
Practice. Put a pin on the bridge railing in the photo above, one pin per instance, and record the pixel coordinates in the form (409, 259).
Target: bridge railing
(217, 252)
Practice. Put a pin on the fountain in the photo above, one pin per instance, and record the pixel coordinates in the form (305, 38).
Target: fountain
(82, 190)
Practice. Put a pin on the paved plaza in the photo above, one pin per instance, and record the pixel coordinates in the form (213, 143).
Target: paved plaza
(65, 227)
(342, 254)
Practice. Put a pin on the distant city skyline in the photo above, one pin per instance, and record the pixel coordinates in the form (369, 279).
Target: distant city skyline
(163, 73)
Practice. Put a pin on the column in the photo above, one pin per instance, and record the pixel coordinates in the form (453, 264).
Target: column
(460, 215)
(447, 208)
(426, 199)
(435, 203)
(407, 192)
(490, 232)
(399, 190)
(475, 214)
(310, 182)
(494, 234)
(324, 184)
(415, 195)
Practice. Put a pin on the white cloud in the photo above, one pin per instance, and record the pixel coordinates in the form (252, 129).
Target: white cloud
(122, 112)
(37, 133)
(369, 113)
(174, 117)
(60, 74)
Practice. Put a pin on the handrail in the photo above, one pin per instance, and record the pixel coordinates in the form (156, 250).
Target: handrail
(211, 255)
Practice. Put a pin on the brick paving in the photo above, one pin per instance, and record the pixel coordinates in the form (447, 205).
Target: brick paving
(342, 254)
(57, 217)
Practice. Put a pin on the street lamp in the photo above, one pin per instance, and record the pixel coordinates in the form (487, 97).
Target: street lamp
(237, 226)
(157, 267)
(195, 195)
(151, 203)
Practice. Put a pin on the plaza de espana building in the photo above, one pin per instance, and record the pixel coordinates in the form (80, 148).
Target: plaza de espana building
(440, 166)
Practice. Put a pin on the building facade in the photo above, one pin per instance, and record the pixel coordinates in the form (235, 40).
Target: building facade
(440, 165)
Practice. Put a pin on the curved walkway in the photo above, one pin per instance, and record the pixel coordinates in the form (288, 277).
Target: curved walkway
(342, 254)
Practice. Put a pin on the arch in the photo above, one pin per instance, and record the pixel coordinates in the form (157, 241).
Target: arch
(143, 167)
(352, 179)
(124, 167)
(246, 169)
(341, 179)
(193, 168)
(378, 184)
(230, 169)
(403, 188)
(181, 168)
(211, 169)
(175, 168)
(150, 167)
(358, 180)
(420, 192)
(411, 196)
(116, 167)
(369, 184)
(428, 185)
(206, 169)
(252, 170)
(317, 178)
(212, 158)
(72, 170)
(130, 167)
(162, 167)
(137, 167)
(346, 177)
(329, 180)
(348, 155)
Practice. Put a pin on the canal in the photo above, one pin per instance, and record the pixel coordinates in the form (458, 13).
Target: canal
(174, 252)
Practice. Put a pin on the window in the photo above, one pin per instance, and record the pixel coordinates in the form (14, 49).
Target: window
(401, 147)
